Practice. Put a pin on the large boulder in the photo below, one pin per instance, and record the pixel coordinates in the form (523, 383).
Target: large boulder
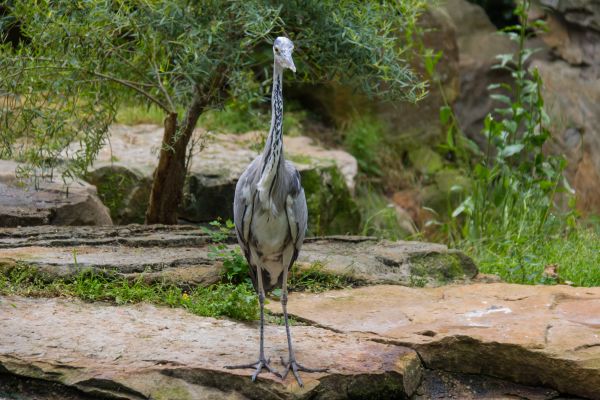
(572, 93)
(123, 175)
(533, 335)
(46, 202)
(478, 44)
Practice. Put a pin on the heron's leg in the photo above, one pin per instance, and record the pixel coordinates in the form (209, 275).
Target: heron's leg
(262, 361)
(292, 364)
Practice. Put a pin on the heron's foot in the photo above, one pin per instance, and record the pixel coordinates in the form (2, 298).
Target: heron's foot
(259, 365)
(293, 366)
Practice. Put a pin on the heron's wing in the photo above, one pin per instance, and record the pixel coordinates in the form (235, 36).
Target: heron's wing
(297, 214)
(243, 204)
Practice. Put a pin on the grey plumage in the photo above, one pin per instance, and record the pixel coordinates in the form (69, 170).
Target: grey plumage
(270, 214)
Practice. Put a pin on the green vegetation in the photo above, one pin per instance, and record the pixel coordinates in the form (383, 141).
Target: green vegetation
(81, 60)
(379, 216)
(364, 140)
(519, 217)
(574, 253)
(226, 299)
(235, 266)
(130, 114)
(316, 279)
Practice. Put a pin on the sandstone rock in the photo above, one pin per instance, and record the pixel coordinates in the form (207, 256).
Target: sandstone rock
(180, 255)
(574, 106)
(478, 45)
(583, 13)
(55, 203)
(147, 352)
(533, 335)
(123, 175)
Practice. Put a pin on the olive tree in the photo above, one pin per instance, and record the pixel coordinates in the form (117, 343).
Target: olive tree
(78, 60)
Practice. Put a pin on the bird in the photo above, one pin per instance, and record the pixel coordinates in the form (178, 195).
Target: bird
(270, 216)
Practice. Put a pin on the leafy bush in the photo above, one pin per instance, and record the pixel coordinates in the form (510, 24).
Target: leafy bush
(364, 140)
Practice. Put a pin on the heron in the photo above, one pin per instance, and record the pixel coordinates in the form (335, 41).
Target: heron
(270, 216)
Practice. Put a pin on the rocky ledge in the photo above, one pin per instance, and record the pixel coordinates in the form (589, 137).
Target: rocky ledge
(483, 341)
(180, 255)
(534, 335)
(454, 338)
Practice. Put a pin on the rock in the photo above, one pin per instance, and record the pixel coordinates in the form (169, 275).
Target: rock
(478, 45)
(574, 104)
(128, 163)
(445, 385)
(146, 352)
(414, 126)
(583, 13)
(51, 203)
(180, 255)
(533, 335)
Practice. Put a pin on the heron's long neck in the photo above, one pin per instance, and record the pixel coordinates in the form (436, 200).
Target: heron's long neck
(272, 156)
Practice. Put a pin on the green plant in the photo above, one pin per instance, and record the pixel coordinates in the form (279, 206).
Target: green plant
(235, 266)
(364, 140)
(316, 279)
(514, 184)
(379, 215)
(220, 300)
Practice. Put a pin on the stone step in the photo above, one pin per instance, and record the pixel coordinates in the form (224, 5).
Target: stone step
(147, 352)
(535, 335)
(181, 255)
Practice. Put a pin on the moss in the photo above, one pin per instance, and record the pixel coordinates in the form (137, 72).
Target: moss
(331, 208)
(425, 160)
(114, 185)
(441, 268)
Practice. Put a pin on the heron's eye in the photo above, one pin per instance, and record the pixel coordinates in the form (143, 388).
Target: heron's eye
(276, 50)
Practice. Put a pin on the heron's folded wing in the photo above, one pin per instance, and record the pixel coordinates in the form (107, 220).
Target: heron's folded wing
(297, 213)
(243, 207)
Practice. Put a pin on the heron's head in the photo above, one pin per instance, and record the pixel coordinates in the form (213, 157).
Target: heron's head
(282, 49)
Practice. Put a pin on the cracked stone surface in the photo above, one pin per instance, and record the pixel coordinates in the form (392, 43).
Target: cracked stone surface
(143, 351)
(181, 255)
(536, 335)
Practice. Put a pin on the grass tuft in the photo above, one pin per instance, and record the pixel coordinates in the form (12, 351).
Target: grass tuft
(316, 279)
(221, 300)
(136, 114)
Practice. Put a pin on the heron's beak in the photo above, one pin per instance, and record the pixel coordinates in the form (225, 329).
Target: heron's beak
(289, 62)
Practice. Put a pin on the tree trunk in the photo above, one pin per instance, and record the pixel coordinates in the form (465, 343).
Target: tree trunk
(169, 176)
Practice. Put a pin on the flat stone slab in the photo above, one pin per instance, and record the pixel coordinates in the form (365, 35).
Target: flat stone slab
(535, 335)
(148, 352)
(180, 255)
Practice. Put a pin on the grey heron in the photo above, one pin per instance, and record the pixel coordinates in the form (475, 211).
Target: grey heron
(270, 215)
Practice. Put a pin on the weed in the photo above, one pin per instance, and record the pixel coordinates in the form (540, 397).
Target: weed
(379, 215)
(511, 223)
(316, 279)
(228, 300)
(235, 266)
(364, 140)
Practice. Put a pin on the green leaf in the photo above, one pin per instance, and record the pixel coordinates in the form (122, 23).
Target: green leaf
(511, 150)
(445, 114)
